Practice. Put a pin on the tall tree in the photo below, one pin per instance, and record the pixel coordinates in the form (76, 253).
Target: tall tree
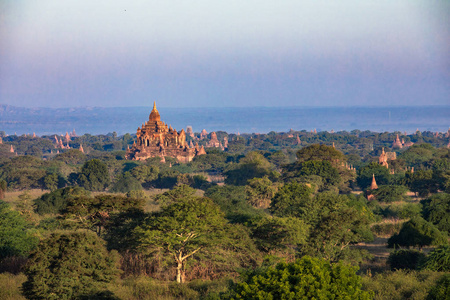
(320, 152)
(181, 230)
(16, 238)
(69, 266)
(94, 175)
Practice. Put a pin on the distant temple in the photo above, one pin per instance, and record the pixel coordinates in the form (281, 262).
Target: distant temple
(190, 132)
(382, 160)
(397, 143)
(373, 185)
(155, 138)
(213, 142)
(385, 156)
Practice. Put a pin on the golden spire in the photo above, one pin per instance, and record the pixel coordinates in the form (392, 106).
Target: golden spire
(154, 115)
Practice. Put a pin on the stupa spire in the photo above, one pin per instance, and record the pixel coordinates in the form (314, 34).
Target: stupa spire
(154, 115)
(374, 185)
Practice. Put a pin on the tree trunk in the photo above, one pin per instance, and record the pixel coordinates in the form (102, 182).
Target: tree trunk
(179, 269)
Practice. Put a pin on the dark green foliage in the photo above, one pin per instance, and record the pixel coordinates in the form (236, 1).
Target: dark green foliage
(125, 184)
(94, 213)
(422, 182)
(279, 233)
(182, 229)
(69, 266)
(53, 181)
(119, 228)
(213, 161)
(366, 173)
(166, 179)
(253, 165)
(16, 238)
(402, 210)
(56, 201)
(319, 152)
(438, 260)
(441, 290)
(94, 175)
(2, 189)
(401, 284)
(417, 233)
(72, 157)
(390, 193)
(335, 226)
(436, 210)
(417, 154)
(292, 200)
(405, 259)
(232, 200)
(335, 221)
(324, 169)
(260, 192)
(23, 172)
(307, 278)
(172, 196)
(144, 173)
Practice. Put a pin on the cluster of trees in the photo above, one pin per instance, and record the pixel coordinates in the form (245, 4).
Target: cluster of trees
(291, 217)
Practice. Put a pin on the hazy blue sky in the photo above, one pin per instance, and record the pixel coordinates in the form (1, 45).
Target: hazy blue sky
(224, 53)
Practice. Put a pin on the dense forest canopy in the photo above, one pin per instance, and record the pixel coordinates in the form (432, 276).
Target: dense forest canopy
(240, 221)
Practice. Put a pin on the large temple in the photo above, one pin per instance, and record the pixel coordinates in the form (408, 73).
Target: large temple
(155, 138)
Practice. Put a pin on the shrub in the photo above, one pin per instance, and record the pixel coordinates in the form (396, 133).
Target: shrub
(417, 232)
(305, 279)
(438, 260)
(405, 259)
(69, 265)
(437, 211)
(441, 290)
(56, 201)
(10, 286)
(402, 210)
(387, 228)
(401, 284)
(390, 193)
(16, 239)
(126, 184)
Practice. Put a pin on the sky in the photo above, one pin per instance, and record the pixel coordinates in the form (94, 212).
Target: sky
(230, 53)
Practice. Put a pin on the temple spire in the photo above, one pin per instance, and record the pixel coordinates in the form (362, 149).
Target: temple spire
(154, 114)
(374, 185)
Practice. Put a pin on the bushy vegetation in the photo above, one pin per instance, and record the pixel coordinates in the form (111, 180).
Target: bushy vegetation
(307, 278)
(69, 265)
(230, 223)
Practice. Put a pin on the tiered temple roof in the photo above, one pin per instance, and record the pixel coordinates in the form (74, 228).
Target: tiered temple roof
(156, 138)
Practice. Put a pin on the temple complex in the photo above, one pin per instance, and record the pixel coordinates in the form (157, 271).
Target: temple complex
(156, 138)
(73, 133)
(60, 145)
